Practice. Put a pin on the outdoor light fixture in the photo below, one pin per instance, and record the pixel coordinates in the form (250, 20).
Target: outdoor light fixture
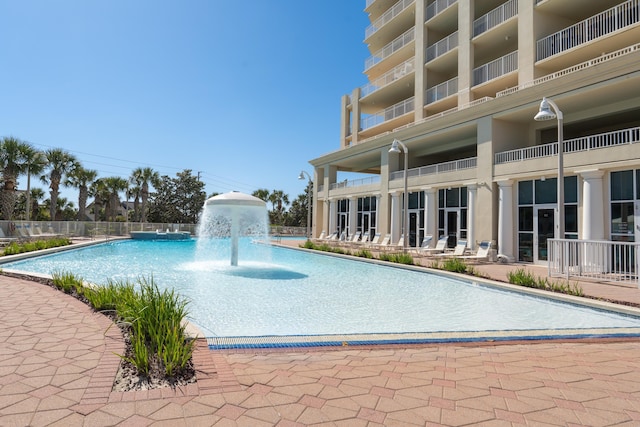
(301, 177)
(546, 112)
(395, 148)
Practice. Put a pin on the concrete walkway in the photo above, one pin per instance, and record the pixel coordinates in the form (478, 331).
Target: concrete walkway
(58, 362)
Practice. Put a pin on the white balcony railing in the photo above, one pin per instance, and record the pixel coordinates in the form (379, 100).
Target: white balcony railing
(388, 77)
(583, 65)
(496, 17)
(585, 143)
(389, 113)
(443, 46)
(441, 91)
(355, 182)
(606, 261)
(437, 168)
(496, 68)
(623, 15)
(397, 44)
(386, 17)
(438, 6)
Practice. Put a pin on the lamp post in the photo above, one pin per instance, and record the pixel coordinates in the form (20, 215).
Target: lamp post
(545, 113)
(395, 148)
(301, 177)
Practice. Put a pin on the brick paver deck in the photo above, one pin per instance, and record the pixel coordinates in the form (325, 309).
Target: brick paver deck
(57, 364)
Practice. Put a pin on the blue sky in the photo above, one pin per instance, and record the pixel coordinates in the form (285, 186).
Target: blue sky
(246, 93)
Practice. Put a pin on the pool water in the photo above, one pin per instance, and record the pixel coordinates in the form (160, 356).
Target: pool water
(286, 292)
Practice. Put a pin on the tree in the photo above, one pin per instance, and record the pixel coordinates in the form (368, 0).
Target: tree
(143, 177)
(64, 209)
(36, 162)
(13, 161)
(81, 179)
(177, 200)
(279, 200)
(114, 185)
(262, 194)
(59, 162)
(100, 193)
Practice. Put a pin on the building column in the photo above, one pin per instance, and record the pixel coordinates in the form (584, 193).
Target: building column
(472, 193)
(505, 220)
(325, 218)
(332, 217)
(431, 214)
(377, 225)
(396, 215)
(353, 215)
(593, 204)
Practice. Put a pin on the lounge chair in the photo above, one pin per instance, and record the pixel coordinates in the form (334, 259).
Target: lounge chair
(458, 251)
(481, 254)
(383, 244)
(441, 245)
(375, 241)
(353, 240)
(398, 246)
(4, 240)
(426, 242)
(320, 238)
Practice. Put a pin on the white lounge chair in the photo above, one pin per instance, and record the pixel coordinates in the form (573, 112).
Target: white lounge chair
(353, 240)
(383, 244)
(426, 242)
(482, 253)
(375, 241)
(458, 251)
(441, 245)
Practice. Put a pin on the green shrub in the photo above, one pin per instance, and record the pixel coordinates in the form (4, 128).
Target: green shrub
(156, 319)
(364, 253)
(523, 277)
(14, 248)
(400, 258)
(67, 282)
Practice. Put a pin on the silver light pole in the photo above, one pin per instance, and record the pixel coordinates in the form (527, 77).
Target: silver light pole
(301, 177)
(545, 113)
(395, 148)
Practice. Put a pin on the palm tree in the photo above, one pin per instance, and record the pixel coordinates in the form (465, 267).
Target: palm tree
(279, 200)
(114, 185)
(98, 190)
(81, 179)
(13, 162)
(143, 177)
(36, 194)
(262, 194)
(60, 162)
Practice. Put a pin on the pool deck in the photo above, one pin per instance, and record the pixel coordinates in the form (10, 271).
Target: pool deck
(57, 365)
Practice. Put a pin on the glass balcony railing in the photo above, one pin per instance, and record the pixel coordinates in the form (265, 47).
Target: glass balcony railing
(623, 15)
(397, 44)
(495, 69)
(387, 17)
(496, 17)
(443, 46)
(438, 6)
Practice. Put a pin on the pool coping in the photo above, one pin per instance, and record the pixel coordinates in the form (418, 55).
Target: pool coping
(408, 338)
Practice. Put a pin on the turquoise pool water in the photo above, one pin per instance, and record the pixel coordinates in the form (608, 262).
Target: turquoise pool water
(289, 292)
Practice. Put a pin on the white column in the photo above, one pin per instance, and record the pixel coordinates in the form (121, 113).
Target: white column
(332, 217)
(377, 225)
(472, 193)
(506, 230)
(395, 216)
(353, 215)
(593, 205)
(431, 214)
(325, 218)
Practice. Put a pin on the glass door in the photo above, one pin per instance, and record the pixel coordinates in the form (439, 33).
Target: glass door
(451, 227)
(544, 218)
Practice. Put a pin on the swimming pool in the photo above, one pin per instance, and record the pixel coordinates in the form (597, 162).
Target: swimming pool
(293, 296)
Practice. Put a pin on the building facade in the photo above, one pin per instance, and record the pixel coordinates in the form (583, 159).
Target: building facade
(459, 82)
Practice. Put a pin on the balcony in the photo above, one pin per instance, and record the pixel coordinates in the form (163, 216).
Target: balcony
(576, 145)
(389, 77)
(438, 6)
(372, 180)
(494, 69)
(442, 91)
(437, 168)
(441, 47)
(388, 114)
(387, 17)
(397, 44)
(496, 17)
(609, 21)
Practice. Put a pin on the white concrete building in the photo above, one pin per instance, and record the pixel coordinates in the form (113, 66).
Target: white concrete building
(459, 82)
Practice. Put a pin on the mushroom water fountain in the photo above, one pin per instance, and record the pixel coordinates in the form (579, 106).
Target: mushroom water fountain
(231, 216)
